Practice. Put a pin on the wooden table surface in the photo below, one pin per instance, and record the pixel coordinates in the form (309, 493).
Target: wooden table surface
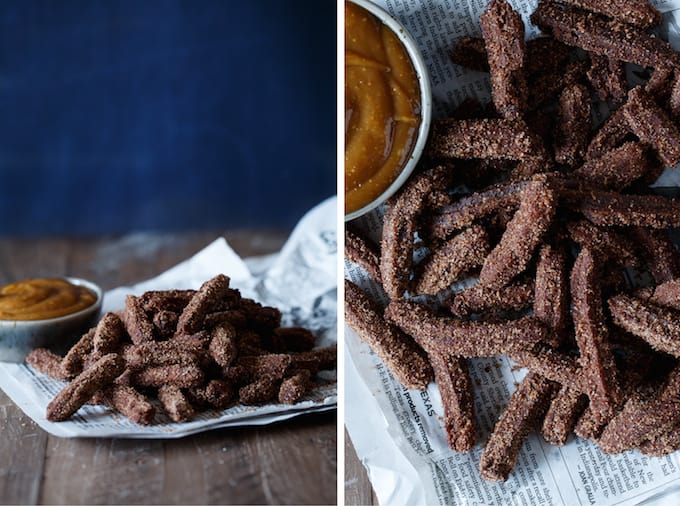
(358, 489)
(291, 462)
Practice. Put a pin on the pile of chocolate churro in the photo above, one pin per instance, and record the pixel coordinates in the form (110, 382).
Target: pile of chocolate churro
(192, 350)
(559, 216)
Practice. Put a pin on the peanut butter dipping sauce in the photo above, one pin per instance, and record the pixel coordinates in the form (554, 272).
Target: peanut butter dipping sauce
(40, 299)
(382, 107)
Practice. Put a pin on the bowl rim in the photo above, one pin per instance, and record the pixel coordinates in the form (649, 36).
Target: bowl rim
(426, 104)
(57, 319)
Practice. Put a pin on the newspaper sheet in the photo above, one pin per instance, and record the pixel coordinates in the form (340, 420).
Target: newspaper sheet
(404, 447)
(310, 252)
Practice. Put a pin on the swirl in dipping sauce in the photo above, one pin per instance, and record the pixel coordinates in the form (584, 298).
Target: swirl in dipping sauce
(382, 107)
(40, 299)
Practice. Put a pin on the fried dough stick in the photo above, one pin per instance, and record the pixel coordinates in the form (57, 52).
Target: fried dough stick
(666, 294)
(600, 35)
(160, 353)
(74, 360)
(616, 169)
(483, 138)
(128, 402)
(546, 85)
(365, 254)
(205, 300)
(466, 210)
(83, 387)
(662, 444)
(464, 338)
(653, 126)
(644, 419)
(407, 361)
(573, 125)
(137, 323)
(634, 12)
(562, 414)
(596, 359)
(503, 31)
(521, 237)
(108, 334)
(551, 291)
(478, 299)
(451, 260)
(399, 227)
(615, 209)
(661, 257)
(470, 52)
(453, 381)
(526, 407)
(46, 362)
(604, 243)
(659, 326)
(175, 403)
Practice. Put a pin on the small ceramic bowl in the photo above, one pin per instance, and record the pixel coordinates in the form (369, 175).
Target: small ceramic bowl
(425, 104)
(19, 337)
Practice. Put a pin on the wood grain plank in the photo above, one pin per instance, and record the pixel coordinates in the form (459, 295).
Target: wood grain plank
(358, 489)
(22, 447)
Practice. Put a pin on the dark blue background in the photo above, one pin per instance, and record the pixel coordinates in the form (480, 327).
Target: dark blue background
(164, 115)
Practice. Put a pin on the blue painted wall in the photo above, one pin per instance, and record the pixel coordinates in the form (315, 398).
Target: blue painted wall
(164, 114)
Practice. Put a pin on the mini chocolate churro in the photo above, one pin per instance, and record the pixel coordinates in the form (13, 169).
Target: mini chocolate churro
(503, 31)
(522, 235)
(653, 126)
(461, 337)
(667, 294)
(396, 252)
(642, 419)
(451, 260)
(573, 125)
(179, 375)
(236, 317)
(616, 169)
(46, 362)
(223, 347)
(483, 138)
(547, 85)
(107, 336)
(634, 12)
(166, 300)
(462, 213)
(160, 353)
(175, 403)
(128, 402)
(526, 407)
(294, 387)
(659, 253)
(596, 358)
(318, 359)
(551, 291)
(407, 361)
(660, 83)
(600, 35)
(605, 243)
(657, 325)
(479, 299)
(83, 387)
(260, 317)
(562, 414)
(364, 253)
(204, 301)
(615, 209)
(260, 391)
(74, 360)
(455, 387)
(662, 444)
(137, 323)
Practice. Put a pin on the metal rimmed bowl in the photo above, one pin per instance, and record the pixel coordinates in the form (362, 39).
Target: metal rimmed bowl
(19, 337)
(425, 101)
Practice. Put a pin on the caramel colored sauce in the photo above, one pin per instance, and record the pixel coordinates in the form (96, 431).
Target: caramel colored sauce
(40, 299)
(382, 107)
